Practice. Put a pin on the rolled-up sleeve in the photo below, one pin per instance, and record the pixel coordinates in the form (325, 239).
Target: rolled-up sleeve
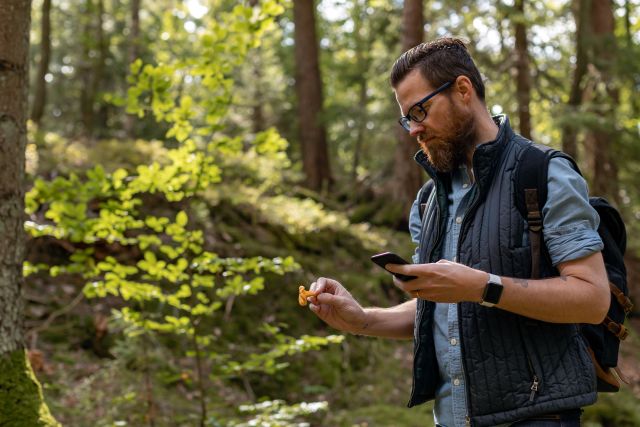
(570, 223)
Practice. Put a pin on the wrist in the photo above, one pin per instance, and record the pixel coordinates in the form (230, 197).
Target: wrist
(364, 324)
(492, 291)
(480, 284)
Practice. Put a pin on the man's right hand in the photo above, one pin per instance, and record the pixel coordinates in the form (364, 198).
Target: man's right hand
(335, 305)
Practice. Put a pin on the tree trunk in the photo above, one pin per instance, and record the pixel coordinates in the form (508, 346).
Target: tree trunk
(523, 79)
(99, 67)
(363, 62)
(408, 177)
(257, 112)
(569, 131)
(604, 136)
(134, 53)
(21, 401)
(315, 156)
(40, 93)
(86, 94)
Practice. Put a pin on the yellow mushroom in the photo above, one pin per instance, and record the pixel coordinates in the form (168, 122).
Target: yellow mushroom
(303, 294)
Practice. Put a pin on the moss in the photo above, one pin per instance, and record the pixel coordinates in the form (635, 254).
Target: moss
(382, 415)
(613, 409)
(21, 400)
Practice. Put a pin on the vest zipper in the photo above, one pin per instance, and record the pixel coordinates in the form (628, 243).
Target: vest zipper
(534, 388)
(467, 395)
(427, 259)
(535, 383)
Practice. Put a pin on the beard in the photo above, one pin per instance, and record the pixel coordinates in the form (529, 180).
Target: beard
(450, 148)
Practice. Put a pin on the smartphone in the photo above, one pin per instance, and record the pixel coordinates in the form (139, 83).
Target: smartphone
(391, 258)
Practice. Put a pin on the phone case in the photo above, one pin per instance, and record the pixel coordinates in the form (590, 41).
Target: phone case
(391, 258)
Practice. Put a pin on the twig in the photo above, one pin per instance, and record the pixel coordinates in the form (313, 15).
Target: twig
(53, 316)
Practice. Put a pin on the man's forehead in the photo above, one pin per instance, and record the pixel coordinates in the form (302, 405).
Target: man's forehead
(412, 89)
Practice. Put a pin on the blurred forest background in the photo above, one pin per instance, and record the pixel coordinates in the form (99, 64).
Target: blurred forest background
(191, 163)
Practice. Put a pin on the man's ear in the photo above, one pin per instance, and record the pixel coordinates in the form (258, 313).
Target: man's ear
(464, 88)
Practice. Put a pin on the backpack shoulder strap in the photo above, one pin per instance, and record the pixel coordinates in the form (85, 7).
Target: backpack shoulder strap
(423, 196)
(531, 193)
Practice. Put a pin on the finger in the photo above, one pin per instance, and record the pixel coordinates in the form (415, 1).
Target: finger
(313, 288)
(408, 269)
(327, 298)
(322, 285)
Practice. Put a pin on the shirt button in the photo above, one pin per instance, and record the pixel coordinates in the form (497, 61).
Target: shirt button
(459, 220)
(465, 185)
(456, 382)
(453, 341)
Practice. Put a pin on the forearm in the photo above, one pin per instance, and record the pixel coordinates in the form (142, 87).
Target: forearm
(563, 299)
(394, 322)
(580, 295)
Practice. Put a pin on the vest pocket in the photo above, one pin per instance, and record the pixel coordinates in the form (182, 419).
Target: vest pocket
(535, 369)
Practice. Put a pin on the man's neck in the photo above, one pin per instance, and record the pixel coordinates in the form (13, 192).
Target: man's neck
(486, 131)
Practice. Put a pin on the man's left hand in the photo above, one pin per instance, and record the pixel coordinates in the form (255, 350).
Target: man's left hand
(443, 281)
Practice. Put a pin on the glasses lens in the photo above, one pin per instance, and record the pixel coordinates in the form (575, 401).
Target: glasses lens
(417, 113)
(404, 122)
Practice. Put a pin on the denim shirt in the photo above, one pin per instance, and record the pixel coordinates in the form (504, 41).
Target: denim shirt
(570, 232)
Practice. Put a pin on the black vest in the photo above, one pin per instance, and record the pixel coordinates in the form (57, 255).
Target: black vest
(502, 353)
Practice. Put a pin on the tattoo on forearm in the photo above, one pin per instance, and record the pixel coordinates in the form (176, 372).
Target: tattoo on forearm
(522, 282)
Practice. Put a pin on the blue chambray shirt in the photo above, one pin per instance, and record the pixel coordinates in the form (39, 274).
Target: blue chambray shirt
(570, 232)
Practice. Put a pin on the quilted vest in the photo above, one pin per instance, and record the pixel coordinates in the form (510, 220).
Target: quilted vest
(503, 354)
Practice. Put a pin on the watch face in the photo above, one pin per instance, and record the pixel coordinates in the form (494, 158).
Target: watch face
(492, 293)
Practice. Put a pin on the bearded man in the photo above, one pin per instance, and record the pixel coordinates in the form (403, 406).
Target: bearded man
(491, 346)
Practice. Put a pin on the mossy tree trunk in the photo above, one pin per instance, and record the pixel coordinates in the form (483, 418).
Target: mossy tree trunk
(21, 402)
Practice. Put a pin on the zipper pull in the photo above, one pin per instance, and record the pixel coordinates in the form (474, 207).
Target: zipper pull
(467, 421)
(534, 388)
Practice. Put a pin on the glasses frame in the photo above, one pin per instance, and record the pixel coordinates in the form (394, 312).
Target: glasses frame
(405, 120)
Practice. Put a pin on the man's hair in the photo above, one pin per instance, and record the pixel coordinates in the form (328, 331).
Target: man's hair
(439, 61)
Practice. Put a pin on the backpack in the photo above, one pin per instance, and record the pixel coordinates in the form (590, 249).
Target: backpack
(603, 340)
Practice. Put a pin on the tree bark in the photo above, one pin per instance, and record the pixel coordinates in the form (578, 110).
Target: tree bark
(40, 92)
(569, 131)
(408, 177)
(603, 135)
(315, 155)
(523, 73)
(363, 62)
(99, 67)
(21, 401)
(86, 94)
(134, 53)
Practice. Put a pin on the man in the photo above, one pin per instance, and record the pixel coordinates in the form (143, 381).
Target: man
(491, 346)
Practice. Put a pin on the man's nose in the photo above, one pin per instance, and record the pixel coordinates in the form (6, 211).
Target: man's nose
(415, 128)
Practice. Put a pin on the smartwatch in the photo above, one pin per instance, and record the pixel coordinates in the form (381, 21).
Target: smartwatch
(492, 291)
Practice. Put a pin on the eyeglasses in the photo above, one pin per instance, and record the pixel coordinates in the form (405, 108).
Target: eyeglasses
(417, 113)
